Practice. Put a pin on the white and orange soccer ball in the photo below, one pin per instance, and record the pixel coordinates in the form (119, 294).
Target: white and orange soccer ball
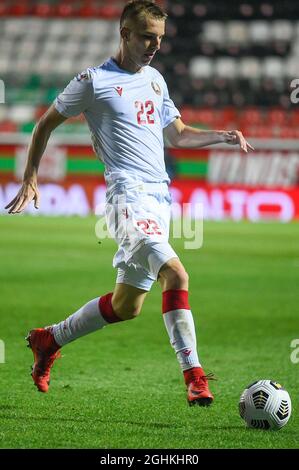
(264, 404)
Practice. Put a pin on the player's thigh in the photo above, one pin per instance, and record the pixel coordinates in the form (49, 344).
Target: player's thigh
(153, 256)
(127, 300)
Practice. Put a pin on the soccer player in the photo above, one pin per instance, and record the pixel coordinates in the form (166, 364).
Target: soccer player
(127, 106)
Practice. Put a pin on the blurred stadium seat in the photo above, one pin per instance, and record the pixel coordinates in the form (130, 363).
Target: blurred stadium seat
(240, 54)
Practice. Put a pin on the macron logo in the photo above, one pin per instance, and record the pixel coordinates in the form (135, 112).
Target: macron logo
(119, 90)
(187, 352)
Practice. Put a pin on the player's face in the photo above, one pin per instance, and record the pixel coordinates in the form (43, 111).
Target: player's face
(144, 40)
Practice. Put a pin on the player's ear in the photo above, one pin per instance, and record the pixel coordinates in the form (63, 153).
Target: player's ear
(125, 33)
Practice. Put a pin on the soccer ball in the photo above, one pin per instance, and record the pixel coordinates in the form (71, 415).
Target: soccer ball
(265, 405)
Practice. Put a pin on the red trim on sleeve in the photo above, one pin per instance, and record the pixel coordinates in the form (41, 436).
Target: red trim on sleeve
(106, 309)
(174, 299)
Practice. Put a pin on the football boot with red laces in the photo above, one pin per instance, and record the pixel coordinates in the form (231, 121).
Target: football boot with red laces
(198, 392)
(45, 351)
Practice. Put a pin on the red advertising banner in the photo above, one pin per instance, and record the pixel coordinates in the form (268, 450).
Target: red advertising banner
(222, 202)
(79, 196)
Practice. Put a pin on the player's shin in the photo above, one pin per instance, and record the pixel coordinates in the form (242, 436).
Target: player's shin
(91, 317)
(179, 323)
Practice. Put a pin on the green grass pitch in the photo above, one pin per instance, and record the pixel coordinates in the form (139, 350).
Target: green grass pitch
(121, 387)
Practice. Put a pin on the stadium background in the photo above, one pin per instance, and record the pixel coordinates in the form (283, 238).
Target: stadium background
(228, 65)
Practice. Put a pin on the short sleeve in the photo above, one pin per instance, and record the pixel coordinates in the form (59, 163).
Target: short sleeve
(169, 111)
(77, 97)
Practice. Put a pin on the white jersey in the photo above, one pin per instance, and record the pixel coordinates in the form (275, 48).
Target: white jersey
(126, 113)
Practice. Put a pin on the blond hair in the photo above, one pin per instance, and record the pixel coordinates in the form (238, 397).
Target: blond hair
(140, 9)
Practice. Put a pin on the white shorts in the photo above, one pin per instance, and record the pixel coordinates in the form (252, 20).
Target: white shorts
(138, 217)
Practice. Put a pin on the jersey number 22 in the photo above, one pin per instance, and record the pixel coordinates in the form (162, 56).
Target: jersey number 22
(145, 112)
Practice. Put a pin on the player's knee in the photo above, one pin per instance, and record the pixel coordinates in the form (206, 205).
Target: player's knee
(127, 312)
(179, 279)
(175, 277)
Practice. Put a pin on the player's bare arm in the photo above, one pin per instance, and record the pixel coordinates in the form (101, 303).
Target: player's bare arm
(180, 135)
(29, 190)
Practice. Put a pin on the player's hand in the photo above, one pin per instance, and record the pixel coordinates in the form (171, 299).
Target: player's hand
(28, 192)
(237, 138)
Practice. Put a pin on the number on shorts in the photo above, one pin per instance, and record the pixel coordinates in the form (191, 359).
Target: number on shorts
(149, 227)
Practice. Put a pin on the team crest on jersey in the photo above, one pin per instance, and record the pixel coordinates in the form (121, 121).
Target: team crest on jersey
(156, 88)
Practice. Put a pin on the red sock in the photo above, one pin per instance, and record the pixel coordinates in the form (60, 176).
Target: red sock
(174, 299)
(106, 309)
